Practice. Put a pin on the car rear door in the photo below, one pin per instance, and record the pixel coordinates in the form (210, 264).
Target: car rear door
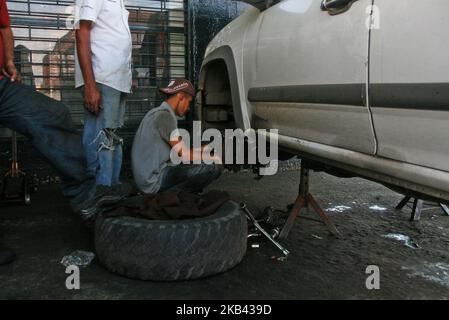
(306, 73)
(409, 81)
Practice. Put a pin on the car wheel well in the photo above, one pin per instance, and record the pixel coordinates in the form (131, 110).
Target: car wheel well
(217, 110)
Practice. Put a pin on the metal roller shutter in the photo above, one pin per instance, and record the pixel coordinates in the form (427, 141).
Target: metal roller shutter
(45, 44)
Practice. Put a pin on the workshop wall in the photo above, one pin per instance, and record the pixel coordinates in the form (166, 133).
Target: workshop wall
(206, 18)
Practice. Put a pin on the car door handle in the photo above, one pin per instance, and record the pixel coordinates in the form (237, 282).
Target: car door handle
(334, 7)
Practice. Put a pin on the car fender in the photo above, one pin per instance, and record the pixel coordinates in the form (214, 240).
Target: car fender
(228, 46)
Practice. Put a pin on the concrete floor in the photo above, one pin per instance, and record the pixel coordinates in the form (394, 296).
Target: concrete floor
(319, 267)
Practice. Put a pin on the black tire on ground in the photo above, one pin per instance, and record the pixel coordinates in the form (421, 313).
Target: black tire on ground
(172, 250)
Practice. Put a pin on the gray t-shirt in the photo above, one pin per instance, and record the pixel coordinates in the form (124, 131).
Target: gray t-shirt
(151, 148)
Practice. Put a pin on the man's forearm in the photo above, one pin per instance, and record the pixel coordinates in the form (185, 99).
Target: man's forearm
(198, 155)
(190, 155)
(85, 56)
(8, 45)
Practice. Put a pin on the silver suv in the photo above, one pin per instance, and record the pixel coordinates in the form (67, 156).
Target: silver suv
(357, 86)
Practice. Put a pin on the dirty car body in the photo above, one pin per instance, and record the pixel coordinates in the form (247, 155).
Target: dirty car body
(359, 100)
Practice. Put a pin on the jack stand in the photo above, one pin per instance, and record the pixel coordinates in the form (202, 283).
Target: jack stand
(417, 208)
(304, 199)
(16, 185)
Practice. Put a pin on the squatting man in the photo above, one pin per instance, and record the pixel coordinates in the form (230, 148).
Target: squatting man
(153, 169)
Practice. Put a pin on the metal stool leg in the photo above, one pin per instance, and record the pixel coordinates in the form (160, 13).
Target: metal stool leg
(417, 209)
(445, 208)
(330, 225)
(303, 200)
(403, 203)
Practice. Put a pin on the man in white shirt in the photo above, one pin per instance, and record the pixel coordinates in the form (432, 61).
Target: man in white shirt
(103, 72)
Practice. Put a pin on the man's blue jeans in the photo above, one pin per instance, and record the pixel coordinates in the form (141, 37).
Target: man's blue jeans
(188, 177)
(102, 145)
(48, 124)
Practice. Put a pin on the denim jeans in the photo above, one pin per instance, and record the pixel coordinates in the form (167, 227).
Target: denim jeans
(48, 124)
(101, 142)
(188, 178)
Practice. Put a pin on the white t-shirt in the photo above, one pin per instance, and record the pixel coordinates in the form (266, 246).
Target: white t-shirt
(111, 43)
